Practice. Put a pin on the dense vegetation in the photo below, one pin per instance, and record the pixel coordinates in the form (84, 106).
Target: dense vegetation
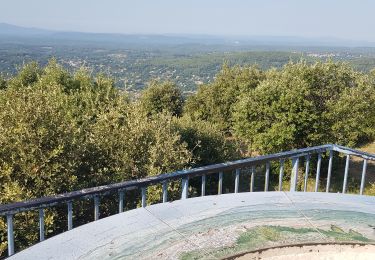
(304, 105)
(298, 106)
(62, 131)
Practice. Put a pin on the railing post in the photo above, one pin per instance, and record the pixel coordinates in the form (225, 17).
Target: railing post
(329, 170)
(165, 191)
(281, 174)
(267, 179)
(10, 235)
(220, 185)
(203, 193)
(237, 181)
(144, 196)
(346, 174)
(41, 224)
(121, 196)
(307, 169)
(318, 172)
(294, 177)
(70, 215)
(185, 188)
(252, 179)
(364, 168)
(96, 207)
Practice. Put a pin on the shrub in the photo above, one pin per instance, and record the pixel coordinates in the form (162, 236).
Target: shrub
(305, 105)
(162, 97)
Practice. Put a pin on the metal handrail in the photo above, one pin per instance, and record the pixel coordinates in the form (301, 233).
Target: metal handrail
(9, 210)
(133, 184)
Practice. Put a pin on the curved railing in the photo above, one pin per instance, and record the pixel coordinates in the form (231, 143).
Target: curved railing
(10, 210)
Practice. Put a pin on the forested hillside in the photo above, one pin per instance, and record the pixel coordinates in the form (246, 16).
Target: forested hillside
(62, 131)
(132, 61)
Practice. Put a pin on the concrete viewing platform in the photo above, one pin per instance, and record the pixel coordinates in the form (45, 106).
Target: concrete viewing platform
(218, 226)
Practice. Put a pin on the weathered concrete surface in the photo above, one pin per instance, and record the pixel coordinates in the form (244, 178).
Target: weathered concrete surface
(215, 226)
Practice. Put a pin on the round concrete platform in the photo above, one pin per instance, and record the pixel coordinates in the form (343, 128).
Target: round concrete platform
(214, 227)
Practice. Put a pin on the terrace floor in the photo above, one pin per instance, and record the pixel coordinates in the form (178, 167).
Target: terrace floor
(217, 226)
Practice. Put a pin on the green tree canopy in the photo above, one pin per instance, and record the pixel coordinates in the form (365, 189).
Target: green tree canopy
(214, 102)
(162, 97)
(205, 140)
(304, 105)
(3, 82)
(27, 75)
(61, 132)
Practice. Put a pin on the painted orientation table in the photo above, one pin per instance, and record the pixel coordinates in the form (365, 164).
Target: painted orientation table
(219, 226)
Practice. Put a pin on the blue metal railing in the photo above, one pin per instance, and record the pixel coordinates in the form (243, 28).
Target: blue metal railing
(10, 210)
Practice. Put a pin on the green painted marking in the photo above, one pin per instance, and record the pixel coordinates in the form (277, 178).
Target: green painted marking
(264, 236)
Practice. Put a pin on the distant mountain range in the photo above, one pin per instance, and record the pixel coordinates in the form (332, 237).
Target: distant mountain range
(9, 32)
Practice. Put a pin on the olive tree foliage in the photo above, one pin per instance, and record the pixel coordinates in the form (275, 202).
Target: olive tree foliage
(206, 141)
(27, 75)
(372, 76)
(207, 144)
(162, 97)
(61, 132)
(214, 102)
(3, 82)
(304, 105)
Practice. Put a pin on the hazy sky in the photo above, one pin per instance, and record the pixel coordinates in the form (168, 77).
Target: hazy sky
(346, 19)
